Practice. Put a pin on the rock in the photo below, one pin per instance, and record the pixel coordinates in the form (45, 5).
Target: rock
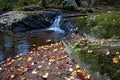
(19, 28)
(18, 21)
(84, 4)
(66, 4)
(69, 4)
(67, 26)
(11, 17)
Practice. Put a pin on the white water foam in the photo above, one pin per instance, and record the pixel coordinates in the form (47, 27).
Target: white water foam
(56, 25)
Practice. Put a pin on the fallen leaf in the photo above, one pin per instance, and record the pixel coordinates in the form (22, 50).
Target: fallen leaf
(19, 59)
(51, 60)
(61, 48)
(115, 60)
(28, 66)
(74, 73)
(119, 56)
(0, 68)
(14, 76)
(29, 59)
(55, 50)
(45, 75)
(34, 72)
(11, 62)
(117, 52)
(23, 71)
(43, 62)
(23, 78)
(108, 53)
(113, 53)
(70, 69)
(77, 66)
(90, 51)
(87, 77)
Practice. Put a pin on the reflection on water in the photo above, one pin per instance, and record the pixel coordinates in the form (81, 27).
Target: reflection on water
(15, 44)
(11, 46)
(22, 47)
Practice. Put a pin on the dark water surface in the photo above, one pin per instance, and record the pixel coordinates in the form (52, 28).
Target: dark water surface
(21, 43)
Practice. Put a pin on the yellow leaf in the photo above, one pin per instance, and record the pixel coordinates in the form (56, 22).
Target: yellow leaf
(51, 60)
(87, 77)
(115, 60)
(74, 73)
(77, 66)
(90, 51)
(29, 59)
(19, 59)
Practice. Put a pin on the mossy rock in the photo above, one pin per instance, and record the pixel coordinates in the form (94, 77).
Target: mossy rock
(96, 55)
(66, 4)
(101, 25)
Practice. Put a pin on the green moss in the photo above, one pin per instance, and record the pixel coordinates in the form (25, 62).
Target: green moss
(98, 59)
(102, 25)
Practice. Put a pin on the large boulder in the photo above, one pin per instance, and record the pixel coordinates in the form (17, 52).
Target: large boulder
(18, 21)
(66, 4)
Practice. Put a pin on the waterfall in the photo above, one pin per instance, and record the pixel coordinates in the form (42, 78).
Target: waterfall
(56, 25)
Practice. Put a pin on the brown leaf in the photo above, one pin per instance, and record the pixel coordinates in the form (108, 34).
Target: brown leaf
(23, 71)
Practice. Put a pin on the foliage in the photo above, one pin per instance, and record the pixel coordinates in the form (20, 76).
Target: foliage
(96, 54)
(15, 4)
(102, 25)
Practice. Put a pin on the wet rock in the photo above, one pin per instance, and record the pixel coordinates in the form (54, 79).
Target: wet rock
(18, 21)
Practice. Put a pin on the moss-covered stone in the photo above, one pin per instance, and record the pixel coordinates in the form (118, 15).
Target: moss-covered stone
(103, 58)
(102, 25)
(66, 4)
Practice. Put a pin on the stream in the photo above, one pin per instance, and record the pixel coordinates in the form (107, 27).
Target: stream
(22, 43)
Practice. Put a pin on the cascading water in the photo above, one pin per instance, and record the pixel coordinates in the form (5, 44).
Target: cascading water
(56, 25)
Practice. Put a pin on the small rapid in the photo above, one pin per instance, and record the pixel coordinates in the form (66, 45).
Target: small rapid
(56, 25)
